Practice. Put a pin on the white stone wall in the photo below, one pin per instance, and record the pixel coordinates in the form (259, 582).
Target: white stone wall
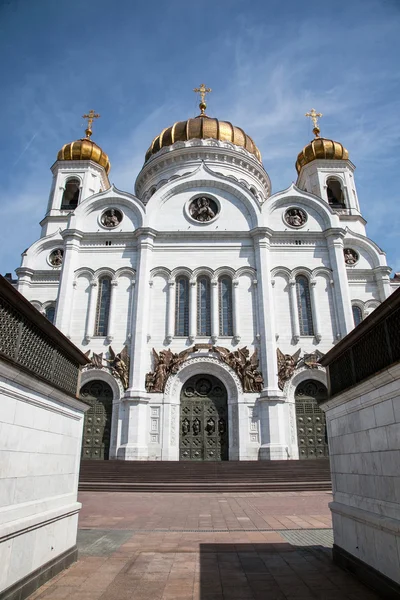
(40, 446)
(364, 443)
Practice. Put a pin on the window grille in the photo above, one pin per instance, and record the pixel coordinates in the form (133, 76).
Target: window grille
(357, 315)
(182, 307)
(50, 313)
(304, 306)
(103, 306)
(225, 307)
(203, 307)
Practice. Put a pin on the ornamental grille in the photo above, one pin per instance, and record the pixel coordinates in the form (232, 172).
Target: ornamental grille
(27, 346)
(376, 349)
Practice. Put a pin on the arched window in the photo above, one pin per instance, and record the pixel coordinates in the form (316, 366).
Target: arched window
(103, 306)
(182, 307)
(203, 306)
(225, 306)
(70, 197)
(335, 193)
(304, 305)
(357, 315)
(50, 313)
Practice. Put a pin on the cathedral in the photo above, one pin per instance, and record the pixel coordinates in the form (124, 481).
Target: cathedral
(204, 301)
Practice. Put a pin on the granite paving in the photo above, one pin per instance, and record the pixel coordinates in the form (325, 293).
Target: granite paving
(205, 547)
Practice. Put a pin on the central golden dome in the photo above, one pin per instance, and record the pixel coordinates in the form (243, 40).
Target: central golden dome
(203, 128)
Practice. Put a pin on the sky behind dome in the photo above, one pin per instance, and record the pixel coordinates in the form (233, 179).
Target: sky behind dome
(136, 63)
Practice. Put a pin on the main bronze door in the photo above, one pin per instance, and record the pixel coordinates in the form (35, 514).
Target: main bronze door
(203, 420)
(97, 425)
(311, 428)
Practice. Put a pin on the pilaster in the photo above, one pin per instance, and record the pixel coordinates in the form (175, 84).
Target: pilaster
(335, 239)
(72, 238)
(268, 358)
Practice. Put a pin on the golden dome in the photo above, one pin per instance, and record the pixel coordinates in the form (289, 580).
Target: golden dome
(203, 127)
(321, 148)
(85, 149)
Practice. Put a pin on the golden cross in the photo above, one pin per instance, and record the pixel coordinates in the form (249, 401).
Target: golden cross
(314, 116)
(202, 90)
(90, 116)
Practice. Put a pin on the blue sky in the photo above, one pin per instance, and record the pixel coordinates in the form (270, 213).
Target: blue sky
(136, 63)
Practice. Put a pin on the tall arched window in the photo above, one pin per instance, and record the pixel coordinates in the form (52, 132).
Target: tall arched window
(335, 193)
(225, 306)
(182, 307)
(203, 306)
(357, 315)
(103, 306)
(70, 197)
(50, 313)
(304, 305)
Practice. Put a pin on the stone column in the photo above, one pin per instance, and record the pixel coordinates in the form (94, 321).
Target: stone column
(90, 320)
(171, 310)
(268, 360)
(314, 308)
(214, 311)
(335, 238)
(192, 310)
(111, 312)
(294, 310)
(236, 310)
(139, 352)
(24, 280)
(382, 278)
(136, 409)
(64, 306)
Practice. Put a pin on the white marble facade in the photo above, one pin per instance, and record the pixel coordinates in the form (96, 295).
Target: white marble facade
(156, 240)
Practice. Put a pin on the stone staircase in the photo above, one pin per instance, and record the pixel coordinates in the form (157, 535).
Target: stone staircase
(229, 476)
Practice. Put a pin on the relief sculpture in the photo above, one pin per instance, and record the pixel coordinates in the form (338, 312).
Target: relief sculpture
(167, 363)
(117, 363)
(287, 364)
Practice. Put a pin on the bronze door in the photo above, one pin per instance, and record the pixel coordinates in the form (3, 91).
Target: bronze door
(97, 425)
(203, 420)
(311, 428)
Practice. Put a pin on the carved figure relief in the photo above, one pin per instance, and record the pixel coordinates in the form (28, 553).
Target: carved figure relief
(311, 361)
(203, 209)
(56, 257)
(287, 364)
(167, 363)
(185, 427)
(295, 217)
(117, 363)
(210, 427)
(350, 256)
(111, 218)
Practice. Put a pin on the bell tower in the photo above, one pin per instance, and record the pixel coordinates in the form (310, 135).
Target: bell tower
(81, 170)
(324, 169)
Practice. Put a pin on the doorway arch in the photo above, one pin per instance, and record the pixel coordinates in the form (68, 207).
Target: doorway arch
(203, 423)
(97, 424)
(310, 418)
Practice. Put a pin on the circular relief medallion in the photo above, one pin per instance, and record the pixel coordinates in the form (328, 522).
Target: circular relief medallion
(350, 256)
(203, 387)
(203, 209)
(111, 218)
(56, 257)
(295, 217)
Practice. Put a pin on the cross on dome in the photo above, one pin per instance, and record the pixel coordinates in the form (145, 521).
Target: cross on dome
(314, 116)
(202, 90)
(90, 117)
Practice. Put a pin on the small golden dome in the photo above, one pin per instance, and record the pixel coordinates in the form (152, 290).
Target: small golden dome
(202, 127)
(321, 148)
(85, 149)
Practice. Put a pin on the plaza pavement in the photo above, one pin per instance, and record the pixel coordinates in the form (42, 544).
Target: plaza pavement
(142, 546)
